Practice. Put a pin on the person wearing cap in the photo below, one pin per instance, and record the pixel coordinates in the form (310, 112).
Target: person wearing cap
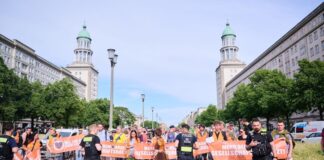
(185, 143)
(171, 136)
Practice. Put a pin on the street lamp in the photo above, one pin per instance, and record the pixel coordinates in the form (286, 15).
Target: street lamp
(113, 60)
(152, 118)
(143, 98)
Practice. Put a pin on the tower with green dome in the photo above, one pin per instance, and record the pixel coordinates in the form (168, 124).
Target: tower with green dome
(229, 49)
(82, 66)
(229, 64)
(83, 53)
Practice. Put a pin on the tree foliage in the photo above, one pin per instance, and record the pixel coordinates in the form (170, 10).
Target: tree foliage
(308, 90)
(209, 116)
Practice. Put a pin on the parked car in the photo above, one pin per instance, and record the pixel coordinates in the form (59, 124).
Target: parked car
(301, 130)
(312, 138)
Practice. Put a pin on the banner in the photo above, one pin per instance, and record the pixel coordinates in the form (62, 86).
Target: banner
(202, 148)
(65, 144)
(281, 148)
(34, 155)
(229, 150)
(144, 151)
(112, 149)
(171, 150)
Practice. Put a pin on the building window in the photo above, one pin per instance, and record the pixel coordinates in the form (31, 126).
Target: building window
(315, 35)
(322, 44)
(310, 38)
(322, 31)
(311, 51)
(316, 49)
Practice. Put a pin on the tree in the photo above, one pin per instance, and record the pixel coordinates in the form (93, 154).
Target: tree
(270, 89)
(241, 105)
(96, 111)
(208, 117)
(308, 87)
(148, 124)
(14, 94)
(63, 104)
(36, 104)
(122, 116)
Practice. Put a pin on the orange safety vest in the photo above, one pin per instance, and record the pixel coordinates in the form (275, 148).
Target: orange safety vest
(33, 145)
(220, 137)
(202, 138)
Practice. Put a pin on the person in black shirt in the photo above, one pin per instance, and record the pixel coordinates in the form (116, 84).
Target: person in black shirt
(247, 127)
(185, 143)
(242, 135)
(260, 141)
(8, 145)
(91, 144)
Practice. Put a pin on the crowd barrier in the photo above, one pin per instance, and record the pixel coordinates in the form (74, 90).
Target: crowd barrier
(227, 150)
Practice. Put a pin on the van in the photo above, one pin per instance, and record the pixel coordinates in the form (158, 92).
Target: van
(301, 130)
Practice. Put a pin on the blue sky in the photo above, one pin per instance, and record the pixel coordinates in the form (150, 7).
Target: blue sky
(167, 49)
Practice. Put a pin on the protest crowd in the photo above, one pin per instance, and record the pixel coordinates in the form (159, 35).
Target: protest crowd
(245, 141)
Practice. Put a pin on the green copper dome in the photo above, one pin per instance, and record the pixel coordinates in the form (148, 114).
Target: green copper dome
(228, 31)
(84, 33)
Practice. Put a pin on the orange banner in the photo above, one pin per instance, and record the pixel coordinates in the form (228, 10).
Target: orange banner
(230, 150)
(280, 147)
(64, 144)
(171, 150)
(116, 150)
(144, 151)
(202, 148)
(34, 155)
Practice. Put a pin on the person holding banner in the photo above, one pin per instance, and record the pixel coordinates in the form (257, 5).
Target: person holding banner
(218, 134)
(120, 137)
(202, 135)
(33, 144)
(133, 140)
(185, 143)
(159, 145)
(260, 142)
(91, 144)
(8, 145)
(279, 133)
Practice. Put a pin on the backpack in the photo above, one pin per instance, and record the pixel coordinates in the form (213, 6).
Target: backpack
(262, 149)
(293, 140)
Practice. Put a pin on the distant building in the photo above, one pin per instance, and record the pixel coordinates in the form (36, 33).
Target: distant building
(26, 63)
(82, 66)
(191, 117)
(303, 41)
(229, 65)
